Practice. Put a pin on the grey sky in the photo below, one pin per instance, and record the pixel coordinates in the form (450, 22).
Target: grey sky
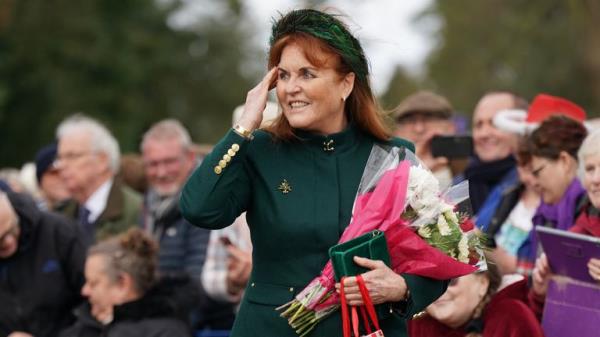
(385, 28)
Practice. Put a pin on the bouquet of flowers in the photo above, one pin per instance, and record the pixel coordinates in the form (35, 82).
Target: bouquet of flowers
(425, 233)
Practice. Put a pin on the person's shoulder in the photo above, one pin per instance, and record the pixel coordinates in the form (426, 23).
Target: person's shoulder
(261, 136)
(58, 227)
(510, 301)
(401, 142)
(513, 317)
(131, 197)
(153, 326)
(265, 142)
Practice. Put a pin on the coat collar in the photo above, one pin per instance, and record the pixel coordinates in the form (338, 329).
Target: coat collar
(114, 204)
(333, 143)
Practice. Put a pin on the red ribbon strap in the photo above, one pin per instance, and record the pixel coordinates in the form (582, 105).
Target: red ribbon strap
(368, 303)
(345, 315)
(350, 318)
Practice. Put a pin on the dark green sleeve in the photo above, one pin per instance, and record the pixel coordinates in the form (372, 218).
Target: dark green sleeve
(213, 198)
(423, 292)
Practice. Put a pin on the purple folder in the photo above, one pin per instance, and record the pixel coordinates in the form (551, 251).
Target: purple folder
(572, 308)
(568, 253)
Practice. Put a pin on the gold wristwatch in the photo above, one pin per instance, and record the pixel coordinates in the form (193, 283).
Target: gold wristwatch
(242, 131)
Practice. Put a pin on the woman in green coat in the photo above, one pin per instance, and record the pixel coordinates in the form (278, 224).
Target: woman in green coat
(297, 179)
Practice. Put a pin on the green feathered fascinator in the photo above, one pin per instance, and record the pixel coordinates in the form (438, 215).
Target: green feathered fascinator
(327, 28)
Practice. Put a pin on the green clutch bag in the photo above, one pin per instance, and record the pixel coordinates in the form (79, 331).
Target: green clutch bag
(371, 245)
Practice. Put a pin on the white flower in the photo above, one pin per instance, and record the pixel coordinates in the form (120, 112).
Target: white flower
(451, 216)
(443, 226)
(423, 191)
(424, 232)
(463, 249)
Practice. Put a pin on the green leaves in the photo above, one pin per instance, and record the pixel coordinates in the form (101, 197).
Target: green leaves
(526, 47)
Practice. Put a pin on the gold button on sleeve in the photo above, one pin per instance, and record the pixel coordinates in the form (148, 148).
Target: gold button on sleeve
(218, 169)
(226, 158)
(231, 153)
(235, 147)
(222, 163)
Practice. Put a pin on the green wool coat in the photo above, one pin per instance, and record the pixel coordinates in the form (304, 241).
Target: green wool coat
(298, 197)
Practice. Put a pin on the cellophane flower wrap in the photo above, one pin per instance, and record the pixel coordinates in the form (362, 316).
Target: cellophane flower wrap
(426, 233)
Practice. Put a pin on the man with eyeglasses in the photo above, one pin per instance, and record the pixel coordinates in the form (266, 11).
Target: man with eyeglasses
(88, 161)
(168, 161)
(41, 268)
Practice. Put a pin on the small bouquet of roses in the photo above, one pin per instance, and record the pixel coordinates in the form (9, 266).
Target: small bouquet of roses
(424, 231)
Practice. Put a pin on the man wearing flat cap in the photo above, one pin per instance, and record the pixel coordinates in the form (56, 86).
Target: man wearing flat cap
(420, 117)
(53, 189)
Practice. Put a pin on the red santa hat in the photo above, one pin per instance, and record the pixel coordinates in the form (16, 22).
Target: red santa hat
(543, 106)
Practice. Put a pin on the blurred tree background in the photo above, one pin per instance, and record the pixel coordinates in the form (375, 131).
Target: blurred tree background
(527, 47)
(121, 62)
(117, 61)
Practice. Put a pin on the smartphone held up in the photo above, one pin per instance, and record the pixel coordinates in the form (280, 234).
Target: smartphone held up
(452, 147)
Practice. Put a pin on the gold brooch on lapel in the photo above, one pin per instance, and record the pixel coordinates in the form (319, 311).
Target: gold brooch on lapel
(285, 187)
(328, 146)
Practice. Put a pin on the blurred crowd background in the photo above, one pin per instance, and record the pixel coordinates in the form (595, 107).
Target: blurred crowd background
(79, 80)
(129, 65)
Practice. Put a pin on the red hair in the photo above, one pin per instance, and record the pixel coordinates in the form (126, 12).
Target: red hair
(360, 107)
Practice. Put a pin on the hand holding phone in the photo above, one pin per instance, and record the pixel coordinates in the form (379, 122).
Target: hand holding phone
(452, 147)
(225, 241)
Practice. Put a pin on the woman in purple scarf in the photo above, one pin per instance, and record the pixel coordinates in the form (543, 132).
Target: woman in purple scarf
(553, 148)
(587, 223)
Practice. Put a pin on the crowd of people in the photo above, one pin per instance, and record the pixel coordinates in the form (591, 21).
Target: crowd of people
(174, 241)
(145, 262)
(536, 168)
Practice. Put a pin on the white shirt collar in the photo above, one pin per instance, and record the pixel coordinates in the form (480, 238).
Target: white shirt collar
(96, 203)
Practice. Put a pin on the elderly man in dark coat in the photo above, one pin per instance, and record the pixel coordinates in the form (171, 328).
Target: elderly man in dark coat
(41, 268)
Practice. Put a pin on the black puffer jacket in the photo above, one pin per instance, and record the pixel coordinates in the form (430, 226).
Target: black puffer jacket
(162, 312)
(41, 282)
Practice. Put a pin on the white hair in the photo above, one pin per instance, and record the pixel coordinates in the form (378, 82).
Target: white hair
(5, 203)
(589, 147)
(168, 129)
(101, 139)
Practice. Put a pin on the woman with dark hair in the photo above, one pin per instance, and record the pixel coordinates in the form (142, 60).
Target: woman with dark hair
(124, 297)
(553, 148)
(475, 306)
(587, 223)
(298, 178)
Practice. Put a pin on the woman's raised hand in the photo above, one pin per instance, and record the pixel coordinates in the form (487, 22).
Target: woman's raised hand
(383, 284)
(541, 276)
(256, 101)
